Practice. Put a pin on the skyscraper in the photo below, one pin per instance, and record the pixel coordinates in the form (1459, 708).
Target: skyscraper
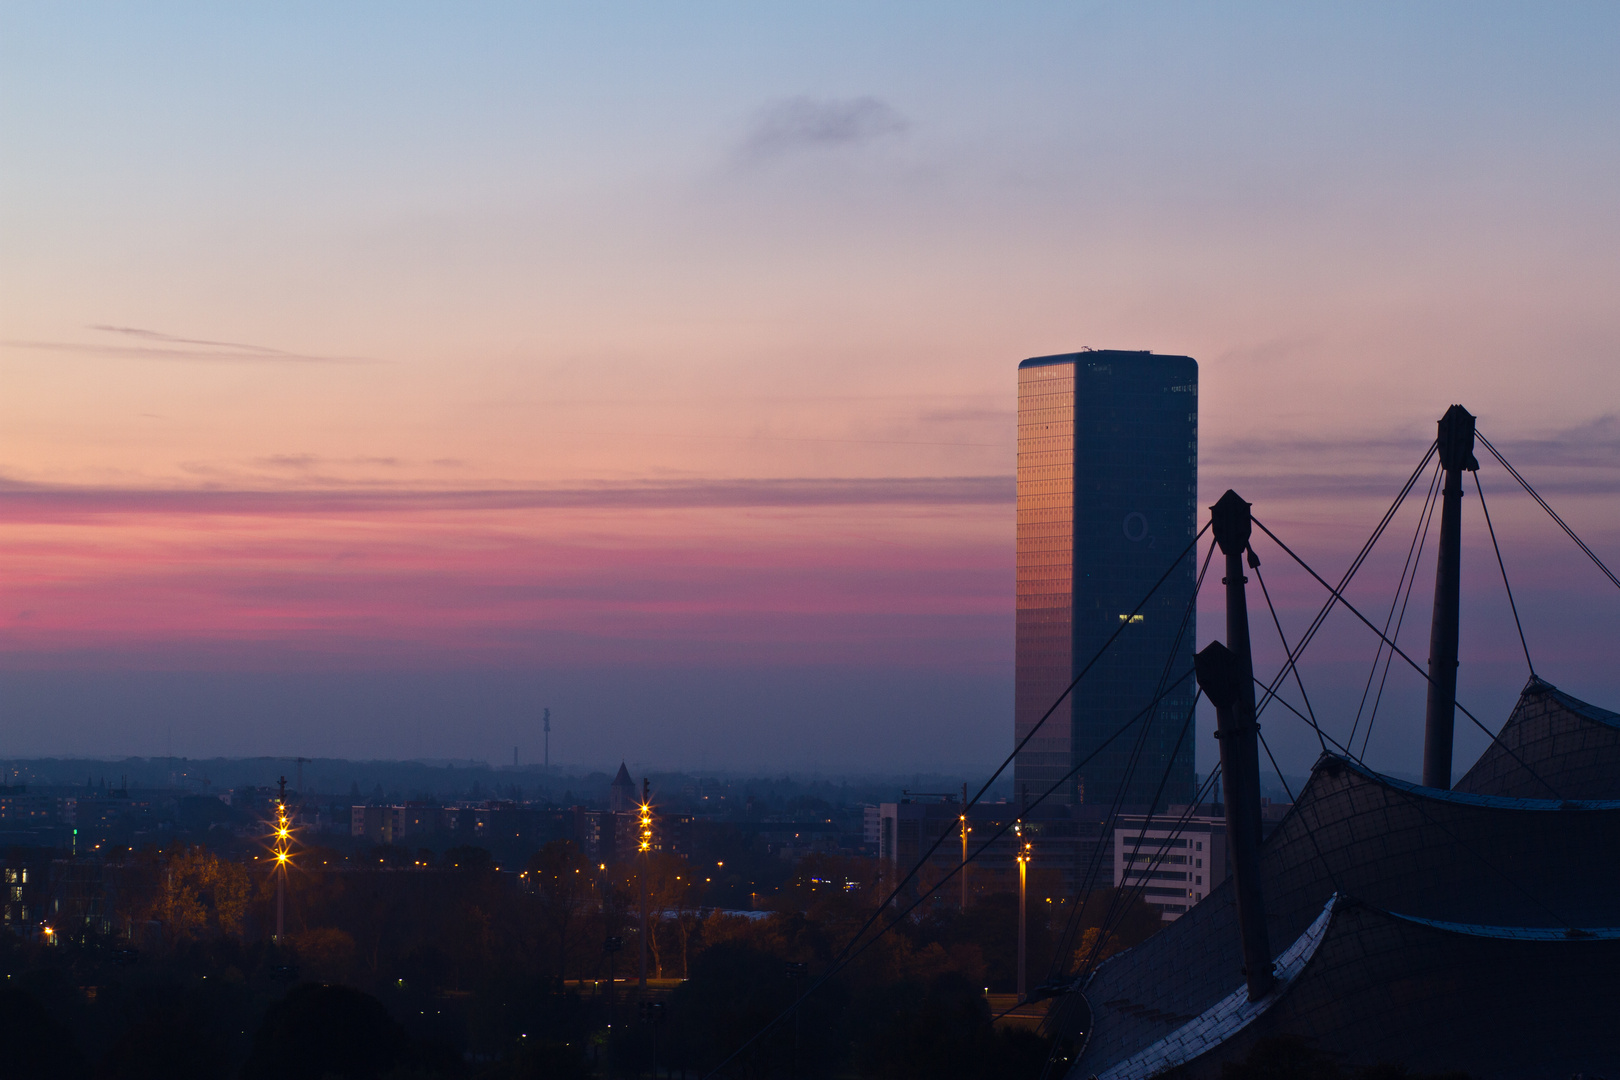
(1107, 498)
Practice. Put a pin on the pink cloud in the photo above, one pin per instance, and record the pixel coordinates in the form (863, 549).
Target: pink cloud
(223, 580)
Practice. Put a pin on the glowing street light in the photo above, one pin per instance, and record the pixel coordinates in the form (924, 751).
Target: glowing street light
(1025, 853)
(965, 831)
(646, 827)
(645, 850)
(281, 848)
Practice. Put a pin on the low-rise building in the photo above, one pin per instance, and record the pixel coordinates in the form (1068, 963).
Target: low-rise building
(1175, 858)
(1172, 859)
(872, 828)
(379, 824)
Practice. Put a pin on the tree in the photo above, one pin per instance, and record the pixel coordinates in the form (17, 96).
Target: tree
(673, 890)
(1128, 919)
(36, 1046)
(325, 1031)
(196, 894)
(941, 1031)
(562, 882)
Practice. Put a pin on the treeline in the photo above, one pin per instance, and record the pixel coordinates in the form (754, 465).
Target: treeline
(466, 970)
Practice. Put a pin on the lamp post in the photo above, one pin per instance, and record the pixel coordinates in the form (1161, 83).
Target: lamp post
(644, 850)
(611, 947)
(1023, 907)
(279, 867)
(964, 848)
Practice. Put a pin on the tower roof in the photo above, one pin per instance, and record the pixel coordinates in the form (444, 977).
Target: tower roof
(1104, 355)
(623, 779)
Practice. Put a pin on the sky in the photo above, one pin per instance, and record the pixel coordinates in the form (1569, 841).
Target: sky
(375, 376)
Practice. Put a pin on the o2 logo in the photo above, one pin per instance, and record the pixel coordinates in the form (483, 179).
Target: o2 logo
(1136, 530)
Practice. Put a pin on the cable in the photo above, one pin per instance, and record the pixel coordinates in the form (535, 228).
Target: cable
(1417, 804)
(1106, 926)
(1310, 830)
(985, 787)
(1497, 454)
(1503, 567)
(1109, 915)
(1340, 747)
(1411, 581)
(1124, 894)
(1361, 556)
(1355, 565)
(1123, 624)
(1339, 598)
(956, 868)
(1254, 564)
(850, 951)
(1413, 549)
(1094, 865)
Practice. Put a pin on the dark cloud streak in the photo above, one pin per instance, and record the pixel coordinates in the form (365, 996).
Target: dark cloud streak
(192, 350)
(21, 499)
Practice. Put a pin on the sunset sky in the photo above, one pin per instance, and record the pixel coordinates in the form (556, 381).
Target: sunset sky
(374, 377)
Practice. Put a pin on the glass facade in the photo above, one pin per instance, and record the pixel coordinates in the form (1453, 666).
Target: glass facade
(1045, 576)
(1107, 497)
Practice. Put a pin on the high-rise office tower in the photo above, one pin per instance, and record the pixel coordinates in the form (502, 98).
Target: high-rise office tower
(1107, 499)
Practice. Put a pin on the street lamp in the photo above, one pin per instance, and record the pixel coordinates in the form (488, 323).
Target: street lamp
(644, 849)
(965, 831)
(1024, 855)
(281, 848)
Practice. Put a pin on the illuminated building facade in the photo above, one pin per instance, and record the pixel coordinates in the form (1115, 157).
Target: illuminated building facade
(1107, 497)
(1172, 862)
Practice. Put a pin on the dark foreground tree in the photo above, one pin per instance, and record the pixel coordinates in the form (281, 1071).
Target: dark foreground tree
(33, 1044)
(325, 1031)
(942, 1032)
(169, 1044)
